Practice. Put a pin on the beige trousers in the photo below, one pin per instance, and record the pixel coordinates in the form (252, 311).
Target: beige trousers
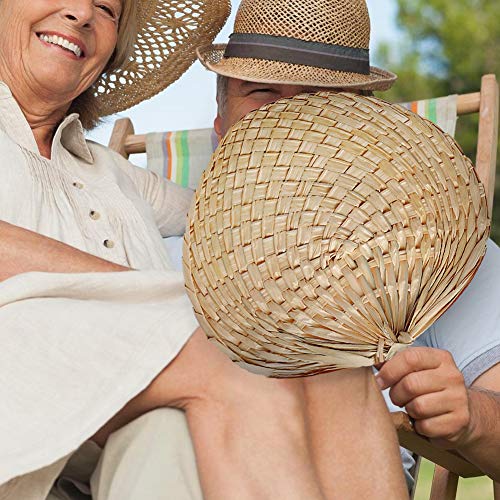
(151, 458)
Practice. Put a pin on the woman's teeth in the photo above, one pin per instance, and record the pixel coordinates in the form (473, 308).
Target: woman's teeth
(62, 42)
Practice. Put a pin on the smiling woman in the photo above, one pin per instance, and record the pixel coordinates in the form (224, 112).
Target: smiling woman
(38, 65)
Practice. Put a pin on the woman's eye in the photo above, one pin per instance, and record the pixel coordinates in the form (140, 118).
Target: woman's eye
(107, 9)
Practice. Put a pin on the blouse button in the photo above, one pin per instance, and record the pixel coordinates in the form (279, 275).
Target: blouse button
(94, 215)
(108, 243)
(78, 185)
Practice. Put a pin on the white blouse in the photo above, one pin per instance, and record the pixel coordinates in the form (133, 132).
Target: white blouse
(74, 348)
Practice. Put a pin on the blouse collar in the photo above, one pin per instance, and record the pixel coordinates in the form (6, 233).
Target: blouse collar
(69, 134)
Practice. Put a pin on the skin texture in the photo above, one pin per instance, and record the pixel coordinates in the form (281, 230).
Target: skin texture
(46, 78)
(18, 255)
(424, 380)
(283, 422)
(294, 454)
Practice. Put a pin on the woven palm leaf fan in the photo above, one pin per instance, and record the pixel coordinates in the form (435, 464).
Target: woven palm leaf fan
(329, 232)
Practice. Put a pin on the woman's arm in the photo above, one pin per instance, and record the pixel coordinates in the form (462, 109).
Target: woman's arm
(23, 251)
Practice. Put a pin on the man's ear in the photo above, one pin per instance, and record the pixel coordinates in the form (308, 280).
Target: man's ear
(218, 127)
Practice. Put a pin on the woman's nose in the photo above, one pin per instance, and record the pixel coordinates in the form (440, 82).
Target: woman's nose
(80, 12)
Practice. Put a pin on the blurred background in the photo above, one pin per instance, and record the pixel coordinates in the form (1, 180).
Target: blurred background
(437, 47)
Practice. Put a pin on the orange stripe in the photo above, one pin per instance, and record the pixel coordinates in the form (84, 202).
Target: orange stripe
(414, 106)
(169, 153)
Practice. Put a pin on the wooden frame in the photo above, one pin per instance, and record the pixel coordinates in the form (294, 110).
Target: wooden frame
(449, 465)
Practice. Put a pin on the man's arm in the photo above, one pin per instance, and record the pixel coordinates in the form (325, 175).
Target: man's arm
(427, 382)
(483, 446)
(23, 251)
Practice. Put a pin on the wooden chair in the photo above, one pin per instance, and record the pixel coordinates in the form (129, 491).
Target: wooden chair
(449, 465)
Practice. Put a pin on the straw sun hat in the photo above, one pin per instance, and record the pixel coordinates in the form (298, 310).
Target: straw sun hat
(329, 232)
(320, 43)
(168, 33)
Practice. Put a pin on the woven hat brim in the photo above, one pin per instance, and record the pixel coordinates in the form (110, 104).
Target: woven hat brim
(168, 33)
(277, 72)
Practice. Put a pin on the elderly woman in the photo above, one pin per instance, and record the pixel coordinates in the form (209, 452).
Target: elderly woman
(88, 343)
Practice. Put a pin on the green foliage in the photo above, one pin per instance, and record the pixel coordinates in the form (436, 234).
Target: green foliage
(476, 488)
(446, 47)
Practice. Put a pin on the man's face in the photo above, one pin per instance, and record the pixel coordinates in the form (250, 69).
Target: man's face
(244, 97)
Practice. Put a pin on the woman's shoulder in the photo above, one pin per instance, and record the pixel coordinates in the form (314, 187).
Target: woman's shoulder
(104, 153)
(110, 161)
(111, 164)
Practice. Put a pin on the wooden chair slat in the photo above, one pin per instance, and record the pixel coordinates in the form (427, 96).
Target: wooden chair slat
(487, 138)
(122, 130)
(466, 104)
(444, 484)
(423, 447)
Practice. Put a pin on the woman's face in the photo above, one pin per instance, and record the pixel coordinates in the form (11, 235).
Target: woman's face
(57, 47)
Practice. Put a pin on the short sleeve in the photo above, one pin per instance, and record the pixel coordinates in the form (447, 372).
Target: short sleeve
(470, 329)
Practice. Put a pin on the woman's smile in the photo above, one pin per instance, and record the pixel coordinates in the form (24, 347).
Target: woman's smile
(66, 45)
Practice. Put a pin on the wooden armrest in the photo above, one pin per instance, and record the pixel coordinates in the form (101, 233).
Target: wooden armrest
(420, 445)
(468, 103)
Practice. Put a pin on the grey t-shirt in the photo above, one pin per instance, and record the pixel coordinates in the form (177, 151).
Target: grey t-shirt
(470, 329)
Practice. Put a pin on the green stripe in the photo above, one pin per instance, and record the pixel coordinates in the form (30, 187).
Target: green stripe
(186, 158)
(431, 112)
(182, 149)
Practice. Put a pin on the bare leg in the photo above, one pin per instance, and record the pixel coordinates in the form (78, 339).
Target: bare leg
(249, 432)
(327, 436)
(353, 440)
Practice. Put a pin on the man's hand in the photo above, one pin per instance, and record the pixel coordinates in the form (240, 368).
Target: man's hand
(427, 382)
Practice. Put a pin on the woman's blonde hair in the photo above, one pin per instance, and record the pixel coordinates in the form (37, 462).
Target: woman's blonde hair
(86, 104)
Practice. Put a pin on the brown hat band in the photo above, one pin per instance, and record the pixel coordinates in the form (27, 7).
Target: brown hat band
(294, 51)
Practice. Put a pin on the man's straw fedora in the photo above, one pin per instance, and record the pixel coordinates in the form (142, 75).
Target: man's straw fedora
(329, 232)
(168, 33)
(320, 43)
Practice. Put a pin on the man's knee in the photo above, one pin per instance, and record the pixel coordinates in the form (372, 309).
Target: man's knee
(358, 383)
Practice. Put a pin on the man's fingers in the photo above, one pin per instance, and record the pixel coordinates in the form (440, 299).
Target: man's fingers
(416, 384)
(445, 430)
(410, 360)
(435, 427)
(429, 405)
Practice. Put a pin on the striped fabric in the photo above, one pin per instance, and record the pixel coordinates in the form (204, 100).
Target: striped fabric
(442, 111)
(181, 156)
